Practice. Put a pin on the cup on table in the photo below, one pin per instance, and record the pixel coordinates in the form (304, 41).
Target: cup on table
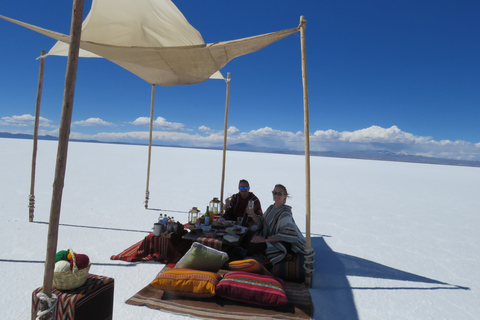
(239, 221)
(228, 202)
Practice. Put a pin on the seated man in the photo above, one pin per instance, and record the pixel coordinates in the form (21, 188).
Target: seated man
(236, 206)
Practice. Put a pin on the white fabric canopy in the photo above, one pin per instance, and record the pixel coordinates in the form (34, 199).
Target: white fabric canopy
(153, 40)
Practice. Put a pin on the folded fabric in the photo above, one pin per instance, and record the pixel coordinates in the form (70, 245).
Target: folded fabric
(187, 282)
(211, 242)
(82, 261)
(62, 265)
(201, 257)
(61, 255)
(248, 265)
(252, 288)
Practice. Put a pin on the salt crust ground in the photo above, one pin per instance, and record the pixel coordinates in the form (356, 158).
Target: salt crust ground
(393, 240)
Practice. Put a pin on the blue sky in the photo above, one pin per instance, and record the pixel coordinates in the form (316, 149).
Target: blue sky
(402, 76)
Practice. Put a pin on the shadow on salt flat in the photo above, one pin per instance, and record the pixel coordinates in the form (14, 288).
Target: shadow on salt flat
(332, 293)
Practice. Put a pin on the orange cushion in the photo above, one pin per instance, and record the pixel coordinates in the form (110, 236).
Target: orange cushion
(187, 282)
(248, 265)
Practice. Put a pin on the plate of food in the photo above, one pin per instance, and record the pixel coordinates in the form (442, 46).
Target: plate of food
(236, 229)
(223, 224)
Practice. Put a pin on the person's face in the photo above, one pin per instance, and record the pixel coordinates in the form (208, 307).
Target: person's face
(279, 196)
(243, 189)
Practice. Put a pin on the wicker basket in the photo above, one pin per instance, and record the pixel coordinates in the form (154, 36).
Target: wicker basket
(71, 279)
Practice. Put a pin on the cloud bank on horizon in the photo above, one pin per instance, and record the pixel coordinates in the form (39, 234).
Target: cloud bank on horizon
(391, 139)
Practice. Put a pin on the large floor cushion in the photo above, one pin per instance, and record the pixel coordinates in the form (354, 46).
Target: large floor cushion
(187, 282)
(201, 257)
(291, 270)
(252, 288)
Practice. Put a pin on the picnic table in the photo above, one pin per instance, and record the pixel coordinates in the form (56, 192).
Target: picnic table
(169, 247)
(220, 240)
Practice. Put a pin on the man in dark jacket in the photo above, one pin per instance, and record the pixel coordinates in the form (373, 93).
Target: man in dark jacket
(236, 206)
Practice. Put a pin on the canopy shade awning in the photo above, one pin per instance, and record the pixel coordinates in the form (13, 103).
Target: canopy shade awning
(154, 41)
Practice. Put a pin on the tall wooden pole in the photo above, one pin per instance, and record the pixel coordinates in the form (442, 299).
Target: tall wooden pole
(31, 203)
(309, 256)
(63, 135)
(147, 191)
(225, 138)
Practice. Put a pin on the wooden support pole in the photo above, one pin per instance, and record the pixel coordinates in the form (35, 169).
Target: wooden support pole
(31, 198)
(308, 261)
(152, 103)
(225, 139)
(63, 135)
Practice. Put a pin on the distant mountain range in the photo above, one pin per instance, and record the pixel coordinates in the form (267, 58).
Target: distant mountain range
(366, 155)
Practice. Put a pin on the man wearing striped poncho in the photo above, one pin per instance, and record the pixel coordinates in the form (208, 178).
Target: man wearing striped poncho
(279, 234)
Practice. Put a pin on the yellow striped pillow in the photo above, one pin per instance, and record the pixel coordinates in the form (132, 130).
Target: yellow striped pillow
(187, 282)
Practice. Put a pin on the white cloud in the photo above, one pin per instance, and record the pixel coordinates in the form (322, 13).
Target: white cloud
(373, 138)
(232, 131)
(205, 129)
(92, 122)
(373, 134)
(24, 121)
(160, 122)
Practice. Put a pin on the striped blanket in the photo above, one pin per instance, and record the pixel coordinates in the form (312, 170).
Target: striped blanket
(92, 301)
(299, 307)
(164, 250)
(211, 242)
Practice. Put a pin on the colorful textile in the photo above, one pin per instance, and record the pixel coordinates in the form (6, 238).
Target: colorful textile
(211, 242)
(201, 257)
(92, 301)
(165, 250)
(62, 255)
(291, 270)
(62, 265)
(252, 288)
(279, 224)
(299, 306)
(187, 282)
(248, 265)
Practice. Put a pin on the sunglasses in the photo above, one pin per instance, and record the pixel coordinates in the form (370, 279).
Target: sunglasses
(243, 188)
(275, 193)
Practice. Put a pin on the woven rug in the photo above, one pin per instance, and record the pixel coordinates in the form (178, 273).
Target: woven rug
(299, 307)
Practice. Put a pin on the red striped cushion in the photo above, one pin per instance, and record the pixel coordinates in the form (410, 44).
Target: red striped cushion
(252, 288)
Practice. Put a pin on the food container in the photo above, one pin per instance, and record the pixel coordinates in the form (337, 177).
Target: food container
(157, 229)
